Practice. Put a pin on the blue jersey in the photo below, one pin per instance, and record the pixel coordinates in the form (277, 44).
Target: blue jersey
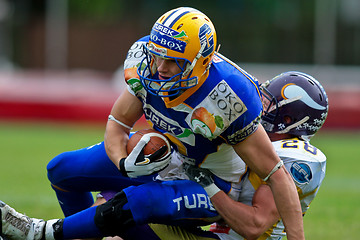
(222, 112)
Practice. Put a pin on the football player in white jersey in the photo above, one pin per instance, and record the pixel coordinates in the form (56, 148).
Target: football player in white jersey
(208, 107)
(296, 107)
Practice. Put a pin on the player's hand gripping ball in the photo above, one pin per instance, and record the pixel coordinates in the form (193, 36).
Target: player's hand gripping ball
(149, 152)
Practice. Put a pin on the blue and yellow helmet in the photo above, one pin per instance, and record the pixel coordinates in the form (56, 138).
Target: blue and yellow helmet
(180, 34)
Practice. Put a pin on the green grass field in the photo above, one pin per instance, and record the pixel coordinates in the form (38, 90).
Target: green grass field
(27, 148)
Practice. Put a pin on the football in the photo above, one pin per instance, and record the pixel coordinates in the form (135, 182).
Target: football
(157, 141)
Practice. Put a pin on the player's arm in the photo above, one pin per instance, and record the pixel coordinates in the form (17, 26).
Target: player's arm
(126, 110)
(259, 154)
(249, 221)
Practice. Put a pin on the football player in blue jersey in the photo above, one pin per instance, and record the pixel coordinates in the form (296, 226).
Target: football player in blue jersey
(210, 110)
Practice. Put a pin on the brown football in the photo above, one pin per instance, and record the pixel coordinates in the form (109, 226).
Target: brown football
(157, 140)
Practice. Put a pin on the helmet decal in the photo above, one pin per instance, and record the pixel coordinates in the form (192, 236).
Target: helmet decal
(181, 35)
(164, 36)
(157, 50)
(206, 37)
(292, 91)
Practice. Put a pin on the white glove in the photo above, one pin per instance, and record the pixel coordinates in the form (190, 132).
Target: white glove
(137, 164)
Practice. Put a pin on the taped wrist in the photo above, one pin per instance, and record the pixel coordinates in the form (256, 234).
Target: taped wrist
(111, 218)
(211, 190)
(122, 167)
(53, 229)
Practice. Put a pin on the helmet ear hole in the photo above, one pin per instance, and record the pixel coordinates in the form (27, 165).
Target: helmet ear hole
(287, 119)
(205, 61)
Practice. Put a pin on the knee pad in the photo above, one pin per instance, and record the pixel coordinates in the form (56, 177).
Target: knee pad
(114, 217)
(57, 168)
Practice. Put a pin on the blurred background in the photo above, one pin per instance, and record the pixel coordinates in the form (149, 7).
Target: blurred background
(61, 71)
(71, 52)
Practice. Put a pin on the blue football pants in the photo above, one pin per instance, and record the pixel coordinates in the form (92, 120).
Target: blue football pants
(75, 174)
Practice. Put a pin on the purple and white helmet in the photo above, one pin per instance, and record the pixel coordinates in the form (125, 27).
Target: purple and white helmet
(294, 103)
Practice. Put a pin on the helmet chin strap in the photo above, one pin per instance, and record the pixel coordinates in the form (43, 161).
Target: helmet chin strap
(209, 65)
(306, 137)
(191, 67)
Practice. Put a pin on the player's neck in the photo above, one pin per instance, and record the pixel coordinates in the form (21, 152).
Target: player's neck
(276, 137)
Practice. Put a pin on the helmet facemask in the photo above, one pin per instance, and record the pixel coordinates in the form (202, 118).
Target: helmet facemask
(270, 106)
(170, 87)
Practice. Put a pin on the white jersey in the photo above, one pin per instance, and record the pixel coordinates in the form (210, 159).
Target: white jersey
(225, 162)
(306, 165)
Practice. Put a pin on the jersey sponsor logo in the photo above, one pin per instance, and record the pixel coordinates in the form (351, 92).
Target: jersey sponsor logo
(134, 55)
(227, 102)
(301, 172)
(183, 134)
(135, 84)
(168, 38)
(197, 200)
(160, 121)
(216, 112)
(136, 51)
(204, 122)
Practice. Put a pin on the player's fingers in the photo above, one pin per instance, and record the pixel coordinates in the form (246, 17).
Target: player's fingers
(139, 146)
